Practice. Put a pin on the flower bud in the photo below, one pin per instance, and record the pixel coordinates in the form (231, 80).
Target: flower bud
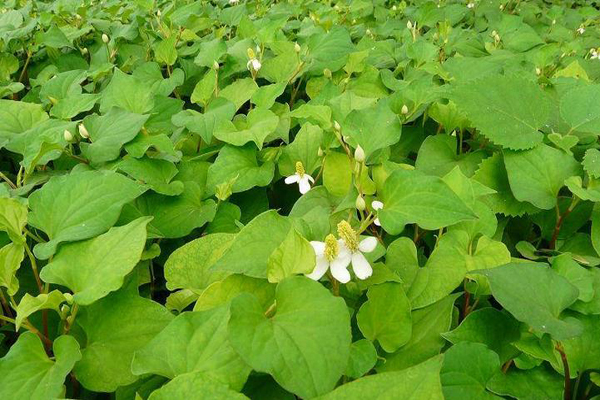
(409, 25)
(538, 71)
(336, 126)
(69, 298)
(68, 135)
(297, 48)
(158, 13)
(394, 8)
(320, 152)
(84, 51)
(83, 131)
(215, 65)
(404, 110)
(105, 38)
(250, 53)
(359, 154)
(368, 32)
(327, 73)
(64, 311)
(360, 203)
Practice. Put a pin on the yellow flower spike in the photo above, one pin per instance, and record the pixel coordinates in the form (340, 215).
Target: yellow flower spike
(348, 235)
(332, 248)
(300, 169)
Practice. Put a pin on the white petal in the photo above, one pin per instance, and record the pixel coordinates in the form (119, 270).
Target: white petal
(320, 269)
(304, 184)
(367, 245)
(248, 64)
(292, 179)
(377, 205)
(256, 64)
(361, 267)
(377, 222)
(310, 178)
(339, 268)
(319, 247)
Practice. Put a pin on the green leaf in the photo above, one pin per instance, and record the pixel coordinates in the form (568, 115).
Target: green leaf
(239, 92)
(250, 251)
(449, 264)
(337, 173)
(419, 382)
(591, 163)
(78, 206)
(426, 340)
(218, 110)
(13, 218)
(126, 92)
(579, 108)
(11, 257)
(109, 132)
(95, 267)
(494, 328)
(386, 316)
(583, 352)
(193, 342)
(154, 173)
(536, 295)
(240, 164)
(165, 51)
(116, 327)
(577, 275)
(210, 51)
(18, 116)
(26, 372)
(265, 96)
(304, 346)
(359, 126)
(293, 256)
(533, 384)
(537, 175)
(260, 123)
(413, 197)
(329, 50)
(222, 292)
(438, 156)
(188, 267)
(304, 148)
(195, 385)
(363, 357)
(466, 371)
(43, 301)
(508, 110)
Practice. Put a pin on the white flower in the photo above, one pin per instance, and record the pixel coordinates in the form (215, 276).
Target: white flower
(253, 64)
(581, 30)
(377, 205)
(233, 2)
(594, 54)
(331, 255)
(351, 251)
(301, 177)
(471, 5)
(83, 131)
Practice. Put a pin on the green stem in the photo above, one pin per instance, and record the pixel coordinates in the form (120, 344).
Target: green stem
(34, 268)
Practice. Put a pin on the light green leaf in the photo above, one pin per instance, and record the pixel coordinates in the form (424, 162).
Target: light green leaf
(337, 173)
(591, 163)
(43, 301)
(79, 206)
(293, 256)
(95, 267)
(18, 116)
(210, 51)
(508, 110)
(304, 148)
(109, 132)
(189, 266)
(438, 156)
(537, 175)
(265, 96)
(116, 327)
(363, 357)
(166, 52)
(304, 346)
(127, 92)
(386, 316)
(421, 382)
(536, 295)
(27, 373)
(260, 123)
(13, 218)
(250, 251)
(193, 342)
(224, 291)
(239, 92)
(195, 385)
(580, 109)
(11, 257)
(154, 173)
(413, 197)
(532, 384)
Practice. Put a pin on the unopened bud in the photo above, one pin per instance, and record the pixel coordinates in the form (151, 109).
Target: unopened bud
(359, 154)
(158, 13)
(409, 25)
(105, 38)
(336, 126)
(394, 8)
(320, 152)
(404, 110)
(538, 71)
(83, 131)
(69, 298)
(297, 48)
(215, 65)
(250, 53)
(368, 32)
(360, 203)
(327, 73)
(68, 135)
(84, 50)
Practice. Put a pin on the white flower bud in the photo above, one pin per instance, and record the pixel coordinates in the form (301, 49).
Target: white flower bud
(67, 135)
(297, 48)
(320, 152)
(394, 8)
(336, 126)
(215, 65)
(368, 32)
(84, 50)
(158, 13)
(83, 132)
(404, 110)
(360, 203)
(538, 71)
(105, 38)
(359, 154)
(409, 25)
(501, 7)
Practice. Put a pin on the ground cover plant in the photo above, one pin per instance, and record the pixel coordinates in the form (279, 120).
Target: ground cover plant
(351, 199)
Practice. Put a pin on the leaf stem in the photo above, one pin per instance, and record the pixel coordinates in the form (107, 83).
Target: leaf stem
(34, 268)
(7, 180)
(560, 220)
(271, 310)
(565, 362)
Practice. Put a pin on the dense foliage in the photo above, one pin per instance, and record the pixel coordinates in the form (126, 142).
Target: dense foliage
(351, 199)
